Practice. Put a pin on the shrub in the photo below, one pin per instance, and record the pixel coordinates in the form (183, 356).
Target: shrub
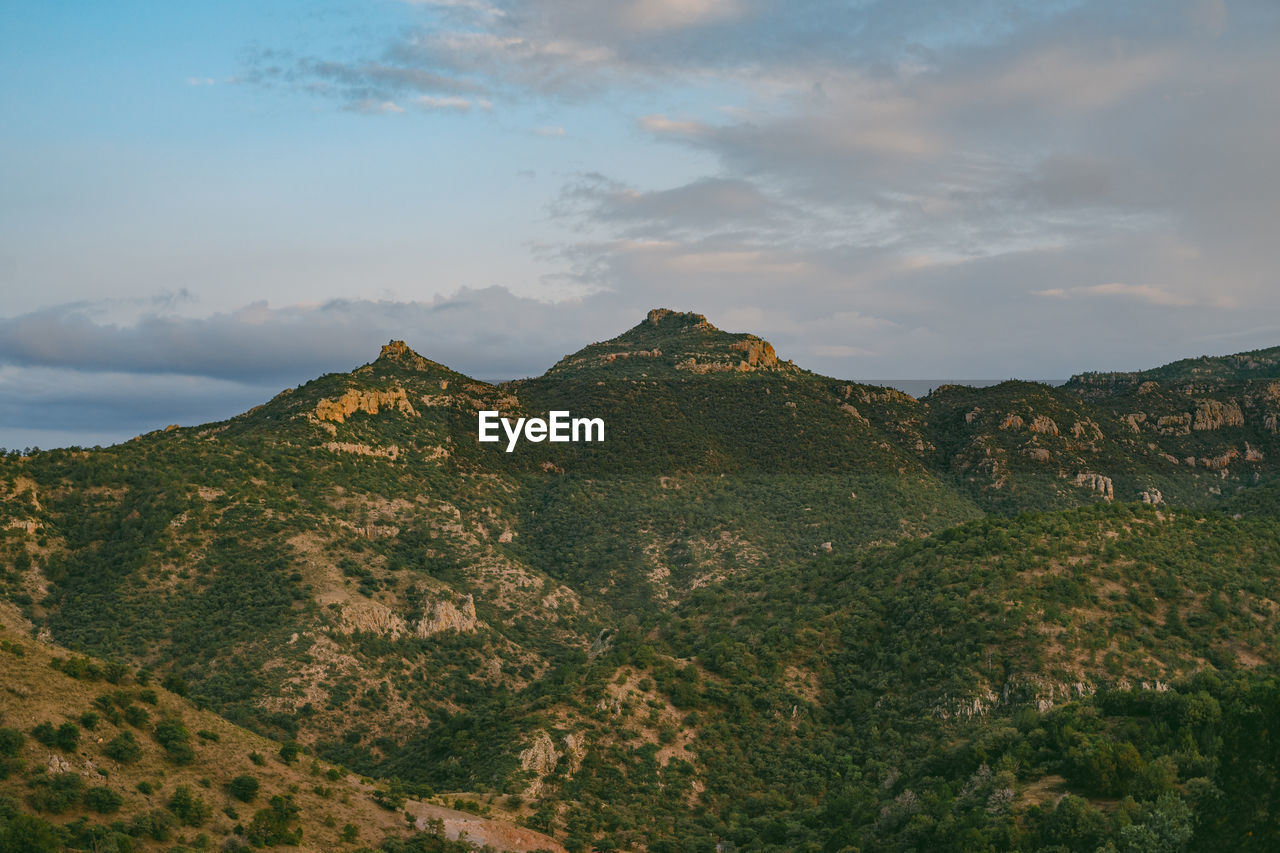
(67, 736)
(10, 742)
(187, 807)
(123, 748)
(103, 800)
(270, 826)
(243, 788)
(45, 733)
(174, 737)
(56, 793)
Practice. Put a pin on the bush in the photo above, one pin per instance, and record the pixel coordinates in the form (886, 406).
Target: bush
(136, 715)
(270, 826)
(103, 800)
(123, 748)
(67, 736)
(45, 733)
(187, 807)
(243, 788)
(56, 793)
(10, 742)
(289, 752)
(174, 737)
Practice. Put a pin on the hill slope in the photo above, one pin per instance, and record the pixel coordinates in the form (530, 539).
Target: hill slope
(839, 575)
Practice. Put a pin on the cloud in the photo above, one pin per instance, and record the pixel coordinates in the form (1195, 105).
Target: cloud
(371, 106)
(1147, 293)
(430, 102)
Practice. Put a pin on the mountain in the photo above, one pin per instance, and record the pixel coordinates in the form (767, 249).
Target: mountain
(771, 610)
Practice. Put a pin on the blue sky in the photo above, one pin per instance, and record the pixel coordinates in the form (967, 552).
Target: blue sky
(206, 202)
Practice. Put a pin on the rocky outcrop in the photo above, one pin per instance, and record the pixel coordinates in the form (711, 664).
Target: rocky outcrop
(1087, 430)
(539, 758)
(1174, 424)
(1135, 420)
(445, 616)
(376, 618)
(853, 412)
(1098, 483)
(759, 354)
(1037, 454)
(1151, 496)
(1214, 414)
(1011, 422)
(657, 315)
(1043, 425)
(369, 402)
(390, 452)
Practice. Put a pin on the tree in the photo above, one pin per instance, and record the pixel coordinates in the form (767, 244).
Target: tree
(244, 788)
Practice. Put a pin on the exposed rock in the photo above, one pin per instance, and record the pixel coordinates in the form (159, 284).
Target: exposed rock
(1252, 455)
(369, 402)
(445, 616)
(1219, 463)
(58, 764)
(390, 452)
(575, 749)
(657, 315)
(602, 643)
(853, 412)
(1011, 422)
(1272, 422)
(1151, 496)
(1039, 454)
(375, 617)
(1098, 483)
(759, 353)
(539, 758)
(1044, 425)
(970, 417)
(1087, 430)
(1174, 424)
(1214, 414)
(1135, 420)
(611, 357)
(1148, 387)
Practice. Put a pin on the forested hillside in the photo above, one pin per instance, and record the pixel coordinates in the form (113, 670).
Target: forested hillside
(771, 611)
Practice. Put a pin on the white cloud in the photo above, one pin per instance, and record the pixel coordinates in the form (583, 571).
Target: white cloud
(1147, 293)
(369, 106)
(452, 102)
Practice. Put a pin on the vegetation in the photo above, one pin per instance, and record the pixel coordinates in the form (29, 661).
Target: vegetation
(772, 611)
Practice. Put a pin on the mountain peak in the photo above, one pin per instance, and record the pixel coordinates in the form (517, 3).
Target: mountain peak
(398, 355)
(679, 341)
(395, 350)
(681, 319)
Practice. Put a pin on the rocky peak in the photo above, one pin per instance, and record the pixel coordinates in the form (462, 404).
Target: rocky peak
(676, 341)
(668, 317)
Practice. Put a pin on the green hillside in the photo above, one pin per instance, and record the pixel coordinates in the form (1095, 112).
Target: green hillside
(771, 610)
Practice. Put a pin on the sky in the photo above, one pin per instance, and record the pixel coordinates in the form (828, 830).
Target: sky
(203, 203)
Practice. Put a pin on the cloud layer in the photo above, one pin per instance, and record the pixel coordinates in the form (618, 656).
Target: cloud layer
(883, 189)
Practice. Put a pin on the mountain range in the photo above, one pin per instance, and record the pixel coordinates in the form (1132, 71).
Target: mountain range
(773, 610)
